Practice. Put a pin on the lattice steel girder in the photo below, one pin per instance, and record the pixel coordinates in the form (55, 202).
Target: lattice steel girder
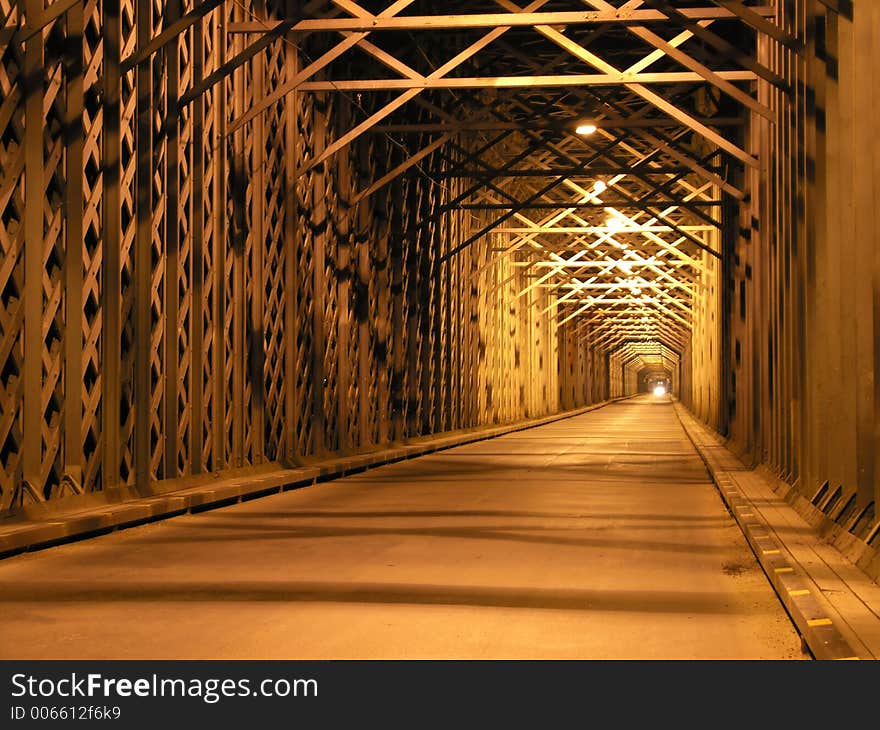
(413, 82)
(568, 230)
(634, 350)
(568, 158)
(414, 159)
(36, 24)
(688, 61)
(650, 348)
(610, 203)
(656, 146)
(520, 206)
(720, 44)
(667, 146)
(350, 42)
(574, 290)
(759, 21)
(516, 82)
(659, 296)
(657, 100)
(615, 281)
(365, 22)
(170, 33)
(654, 267)
(626, 317)
(632, 302)
(613, 344)
(672, 248)
(590, 195)
(457, 126)
(376, 117)
(604, 301)
(560, 271)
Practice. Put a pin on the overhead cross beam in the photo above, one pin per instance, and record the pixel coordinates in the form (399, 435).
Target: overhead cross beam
(719, 43)
(760, 22)
(612, 78)
(673, 52)
(363, 23)
(657, 100)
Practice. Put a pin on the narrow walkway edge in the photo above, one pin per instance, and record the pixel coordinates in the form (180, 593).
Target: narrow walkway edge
(799, 569)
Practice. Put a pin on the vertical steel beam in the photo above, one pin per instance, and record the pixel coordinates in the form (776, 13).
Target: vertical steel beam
(172, 246)
(197, 275)
(255, 344)
(142, 284)
(398, 319)
(814, 73)
(219, 236)
(238, 242)
(864, 226)
(383, 313)
(364, 240)
(341, 217)
(875, 257)
(319, 285)
(835, 425)
(32, 415)
(73, 258)
(293, 399)
(111, 305)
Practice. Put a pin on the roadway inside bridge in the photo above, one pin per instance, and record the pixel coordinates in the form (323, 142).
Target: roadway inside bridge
(598, 536)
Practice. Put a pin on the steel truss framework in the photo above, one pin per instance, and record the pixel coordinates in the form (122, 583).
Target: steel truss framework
(240, 231)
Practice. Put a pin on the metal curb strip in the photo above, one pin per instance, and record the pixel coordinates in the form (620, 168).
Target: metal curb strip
(797, 592)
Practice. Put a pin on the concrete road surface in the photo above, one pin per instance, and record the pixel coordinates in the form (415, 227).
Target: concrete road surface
(598, 536)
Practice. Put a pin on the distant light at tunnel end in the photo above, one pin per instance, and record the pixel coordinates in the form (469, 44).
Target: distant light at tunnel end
(586, 129)
(659, 391)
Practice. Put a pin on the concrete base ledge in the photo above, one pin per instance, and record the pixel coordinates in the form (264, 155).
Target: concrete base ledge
(853, 548)
(799, 569)
(76, 518)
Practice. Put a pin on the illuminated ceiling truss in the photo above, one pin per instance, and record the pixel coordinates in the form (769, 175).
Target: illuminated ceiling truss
(498, 90)
(618, 224)
(655, 357)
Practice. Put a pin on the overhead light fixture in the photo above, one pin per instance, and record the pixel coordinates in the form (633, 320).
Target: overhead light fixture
(586, 129)
(600, 186)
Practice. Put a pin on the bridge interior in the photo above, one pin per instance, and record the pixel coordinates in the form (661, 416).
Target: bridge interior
(533, 320)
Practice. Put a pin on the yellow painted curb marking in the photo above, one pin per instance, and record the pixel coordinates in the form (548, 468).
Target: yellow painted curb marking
(783, 570)
(819, 622)
(770, 552)
(802, 592)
